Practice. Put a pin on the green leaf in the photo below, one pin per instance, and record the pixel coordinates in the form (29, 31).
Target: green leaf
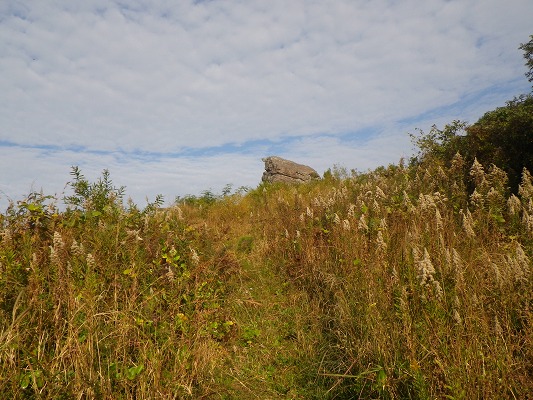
(34, 207)
(25, 380)
(131, 373)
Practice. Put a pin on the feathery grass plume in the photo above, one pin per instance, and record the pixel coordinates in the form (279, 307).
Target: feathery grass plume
(525, 190)
(458, 267)
(77, 249)
(495, 199)
(426, 273)
(527, 221)
(514, 206)
(497, 274)
(457, 165)
(477, 172)
(457, 317)
(497, 327)
(134, 233)
(381, 245)
(362, 224)
(56, 249)
(522, 263)
(6, 236)
(194, 257)
(476, 199)
(91, 262)
(383, 224)
(468, 223)
(406, 202)
(438, 219)
(309, 213)
(498, 178)
(424, 266)
(379, 193)
(351, 210)
(346, 225)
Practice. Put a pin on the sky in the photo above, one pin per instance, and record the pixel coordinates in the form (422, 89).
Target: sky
(179, 97)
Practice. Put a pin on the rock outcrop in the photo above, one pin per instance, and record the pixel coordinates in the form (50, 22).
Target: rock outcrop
(278, 169)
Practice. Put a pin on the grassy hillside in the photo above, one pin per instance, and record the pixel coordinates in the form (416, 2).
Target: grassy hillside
(394, 284)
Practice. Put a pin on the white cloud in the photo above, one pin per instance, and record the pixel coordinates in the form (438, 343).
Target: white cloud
(161, 77)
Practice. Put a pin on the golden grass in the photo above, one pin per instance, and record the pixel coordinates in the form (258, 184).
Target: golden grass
(391, 284)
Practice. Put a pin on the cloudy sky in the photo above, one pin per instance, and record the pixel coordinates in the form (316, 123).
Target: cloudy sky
(176, 97)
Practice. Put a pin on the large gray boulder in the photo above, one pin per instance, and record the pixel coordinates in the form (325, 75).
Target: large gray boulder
(278, 169)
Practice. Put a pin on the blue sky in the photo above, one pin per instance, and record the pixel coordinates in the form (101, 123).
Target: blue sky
(179, 97)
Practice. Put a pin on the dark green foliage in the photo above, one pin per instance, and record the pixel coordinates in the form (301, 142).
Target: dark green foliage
(528, 55)
(504, 137)
(93, 196)
(441, 144)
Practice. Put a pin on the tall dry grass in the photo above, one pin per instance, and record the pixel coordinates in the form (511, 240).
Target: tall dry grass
(404, 282)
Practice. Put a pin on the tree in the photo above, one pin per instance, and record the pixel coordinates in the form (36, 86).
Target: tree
(504, 137)
(527, 48)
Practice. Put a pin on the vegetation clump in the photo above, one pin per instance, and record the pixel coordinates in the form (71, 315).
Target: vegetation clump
(395, 283)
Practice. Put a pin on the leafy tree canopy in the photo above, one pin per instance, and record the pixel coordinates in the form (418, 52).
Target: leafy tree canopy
(527, 48)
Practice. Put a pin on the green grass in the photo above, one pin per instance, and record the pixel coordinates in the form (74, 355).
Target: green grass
(393, 284)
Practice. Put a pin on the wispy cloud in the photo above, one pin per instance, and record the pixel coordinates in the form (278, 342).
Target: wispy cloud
(199, 83)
